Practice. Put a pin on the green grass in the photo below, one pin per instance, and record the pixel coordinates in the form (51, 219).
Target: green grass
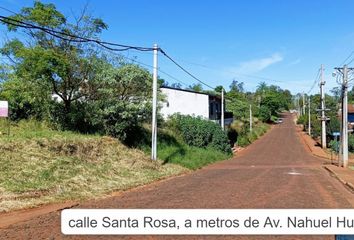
(171, 149)
(28, 129)
(39, 165)
(258, 130)
(190, 157)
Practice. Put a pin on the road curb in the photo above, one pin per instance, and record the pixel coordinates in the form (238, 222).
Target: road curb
(347, 184)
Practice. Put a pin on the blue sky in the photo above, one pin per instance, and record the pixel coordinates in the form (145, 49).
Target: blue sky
(281, 40)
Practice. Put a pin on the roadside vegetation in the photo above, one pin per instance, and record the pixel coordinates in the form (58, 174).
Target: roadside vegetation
(80, 116)
(332, 125)
(40, 165)
(192, 142)
(267, 103)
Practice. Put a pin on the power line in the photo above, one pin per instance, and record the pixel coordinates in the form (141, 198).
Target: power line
(8, 10)
(351, 60)
(237, 74)
(351, 54)
(150, 66)
(75, 38)
(183, 69)
(315, 82)
(160, 70)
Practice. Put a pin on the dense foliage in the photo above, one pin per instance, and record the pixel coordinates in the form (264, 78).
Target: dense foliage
(198, 132)
(75, 85)
(72, 84)
(332, 125)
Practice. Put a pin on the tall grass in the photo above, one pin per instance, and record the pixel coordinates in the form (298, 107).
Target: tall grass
(172, 149)
(39, 165)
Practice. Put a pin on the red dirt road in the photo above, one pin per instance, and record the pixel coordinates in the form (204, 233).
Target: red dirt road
(275, 172)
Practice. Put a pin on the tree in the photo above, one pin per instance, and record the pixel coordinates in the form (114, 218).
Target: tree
(264, 114)
(26, 99)
(66, 64)
(261, 87)
(123, 100)
(162, 82)
(196, 87)
(218, 89)
(176, 85)
(236, 86)
(336, 91)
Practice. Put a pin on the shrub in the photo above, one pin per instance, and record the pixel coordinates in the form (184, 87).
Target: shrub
(351, 143)
(260, 129)
(80, 118)
(198, 132)
(334, 145)
(27, 99)
(238, 126)
(220, 141)
(302, 119)
(264, 114)
(252, 136)
(243, 141)
(232, 136)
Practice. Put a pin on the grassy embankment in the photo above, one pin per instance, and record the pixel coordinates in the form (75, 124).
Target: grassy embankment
(172, 149)
(39, 165)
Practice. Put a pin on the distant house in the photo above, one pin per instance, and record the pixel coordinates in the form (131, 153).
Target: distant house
(187, 102)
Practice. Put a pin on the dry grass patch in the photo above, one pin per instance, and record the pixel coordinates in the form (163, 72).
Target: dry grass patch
(57, 166)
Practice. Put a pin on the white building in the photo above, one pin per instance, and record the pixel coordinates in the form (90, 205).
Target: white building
(187, 102)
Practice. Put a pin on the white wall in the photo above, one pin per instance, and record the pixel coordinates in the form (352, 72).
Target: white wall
(185, 103)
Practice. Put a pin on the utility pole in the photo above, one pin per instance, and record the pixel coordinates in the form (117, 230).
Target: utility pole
(222, 110)
(298, 104)
(323, 116)
(303, 104)
(154, 107)
(345, 117)
(250, 118)
(344, 124)
(309, 128)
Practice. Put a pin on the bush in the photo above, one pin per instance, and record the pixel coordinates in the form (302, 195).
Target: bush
(252, 136)
(220, 141)
(334, 145)
(232, 136)
(260, 129)
(243, 141)
(80, 118)
(198, 132)
(351, 143)
(264, 114)
(27, 99)
(302, 119)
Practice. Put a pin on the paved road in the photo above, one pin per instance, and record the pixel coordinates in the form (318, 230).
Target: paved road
(275, 172)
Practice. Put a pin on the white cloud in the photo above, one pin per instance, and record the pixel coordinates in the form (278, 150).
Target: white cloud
(256, 65)
(297, 61)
